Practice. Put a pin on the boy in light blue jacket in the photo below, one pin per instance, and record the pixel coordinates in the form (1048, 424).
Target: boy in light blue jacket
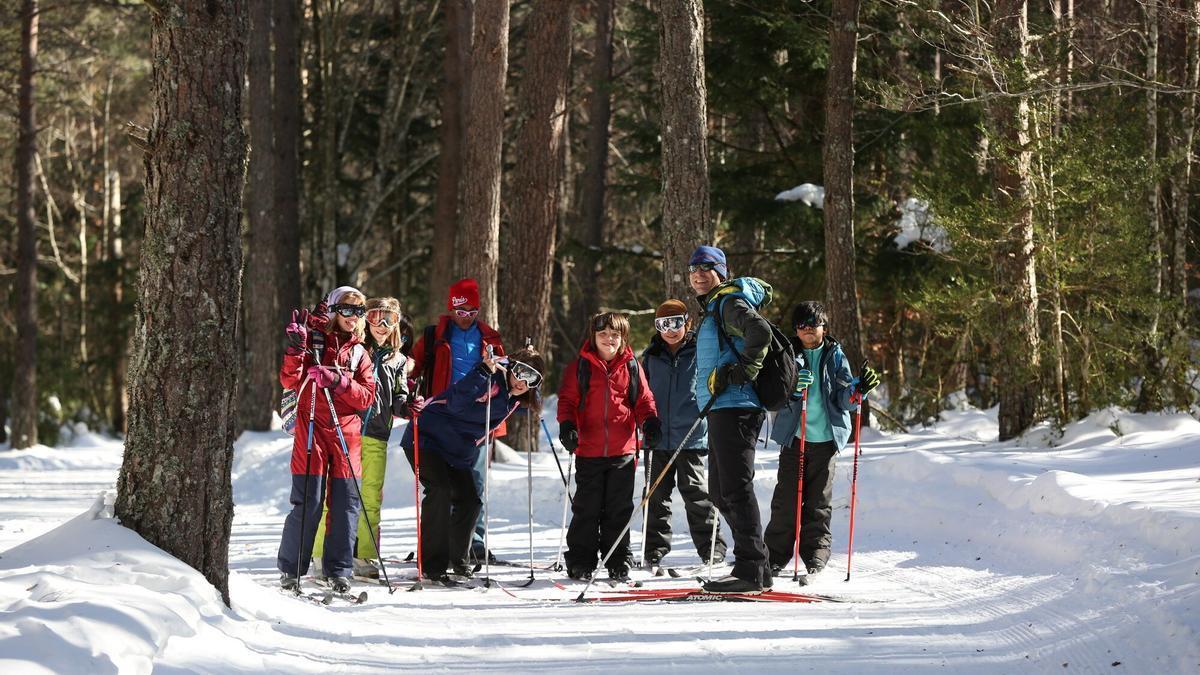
(833, 393)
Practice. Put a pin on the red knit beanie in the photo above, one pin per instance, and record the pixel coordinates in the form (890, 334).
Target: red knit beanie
(463, 293)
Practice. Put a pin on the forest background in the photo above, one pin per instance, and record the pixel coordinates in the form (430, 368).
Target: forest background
(998, 208)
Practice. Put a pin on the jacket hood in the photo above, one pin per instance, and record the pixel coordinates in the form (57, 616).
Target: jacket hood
(755, 291)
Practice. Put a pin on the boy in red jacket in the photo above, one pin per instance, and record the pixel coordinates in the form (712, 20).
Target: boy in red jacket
(601, 401)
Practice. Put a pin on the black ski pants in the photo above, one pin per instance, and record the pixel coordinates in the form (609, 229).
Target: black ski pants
(341, 497)
(688, 473)
(601, 509)
(732, 434)
(816, 537)
(448, 513)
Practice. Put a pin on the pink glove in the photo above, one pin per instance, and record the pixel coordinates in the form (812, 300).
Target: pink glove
(297, 333)
(326, 378)
(318, 319)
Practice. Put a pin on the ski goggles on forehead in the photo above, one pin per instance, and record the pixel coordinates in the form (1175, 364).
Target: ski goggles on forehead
(525, 373)
(666, 324)
(383, 317)
(349, 310)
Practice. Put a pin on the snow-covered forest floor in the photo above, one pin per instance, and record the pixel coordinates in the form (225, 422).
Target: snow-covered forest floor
(1081, 555)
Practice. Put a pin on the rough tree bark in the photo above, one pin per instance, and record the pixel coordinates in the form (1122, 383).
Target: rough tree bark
(260, 383)
(450, 135)
(537, 184)
(24, 386)
(590, 228)
(841, 293)
(479, 240)
(1017, 335)
(686, 221)
(286, 181)
(174, 486)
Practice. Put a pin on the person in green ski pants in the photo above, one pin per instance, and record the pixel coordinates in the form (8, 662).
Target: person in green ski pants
(385, 343)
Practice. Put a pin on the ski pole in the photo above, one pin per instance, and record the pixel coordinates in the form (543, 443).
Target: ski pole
(566, 482)
(312, 407)
(337, 425)
(800, 485)
(671, 461)
(417, 496)
(562, 530)
(646, 496)
(529, 489)
(854, 480)
(312, 410)
(487, 477)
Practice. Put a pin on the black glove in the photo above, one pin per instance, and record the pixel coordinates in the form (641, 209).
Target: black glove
(868, 381)
(652, 432)
(568, 435)
(723, 376)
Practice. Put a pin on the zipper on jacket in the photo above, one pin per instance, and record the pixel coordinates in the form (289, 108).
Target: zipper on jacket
(607, 390)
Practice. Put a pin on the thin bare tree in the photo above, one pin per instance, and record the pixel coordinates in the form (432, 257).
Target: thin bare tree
(24, 386)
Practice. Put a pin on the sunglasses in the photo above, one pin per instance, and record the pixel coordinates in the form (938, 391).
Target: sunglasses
(349, 310)
(466, 313)
(811, 323)
(702, 267)
(666, 324)
(525, 373)
(383, 317)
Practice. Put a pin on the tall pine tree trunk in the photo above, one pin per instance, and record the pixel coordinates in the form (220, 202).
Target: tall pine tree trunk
(286, 182)
(261, 336)
(174, 487)
(450, 159)
(1017, 337)
(590, 229)
(841, 293)
(479, 241)
(537, 185)
(686, 221)
(1151, 397)
(24, 386)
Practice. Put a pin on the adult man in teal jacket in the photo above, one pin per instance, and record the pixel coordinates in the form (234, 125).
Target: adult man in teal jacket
(736, 416)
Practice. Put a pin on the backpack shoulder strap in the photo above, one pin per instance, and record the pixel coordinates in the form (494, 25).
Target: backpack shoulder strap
(635, 383)
(428, 336)
(583, 377)
(356, 354)
(721, 330)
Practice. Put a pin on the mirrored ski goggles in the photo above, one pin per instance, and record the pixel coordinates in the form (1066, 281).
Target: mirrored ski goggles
(702, 267)
(667, 324)
(466, 313)
(349, 310)
(383, 317)
(811, 323)
(525, 373)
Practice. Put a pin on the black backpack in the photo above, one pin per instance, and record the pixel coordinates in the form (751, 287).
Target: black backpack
(583, 376)
(777, 378)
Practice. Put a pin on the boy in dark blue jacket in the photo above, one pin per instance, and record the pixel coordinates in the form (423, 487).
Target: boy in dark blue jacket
(451, 435)
(833, 394)
(670, 366)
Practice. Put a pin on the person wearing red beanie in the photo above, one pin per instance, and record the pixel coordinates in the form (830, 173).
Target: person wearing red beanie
(447, 351)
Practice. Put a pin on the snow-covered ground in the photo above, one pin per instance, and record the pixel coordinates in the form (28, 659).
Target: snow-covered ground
(970, 555)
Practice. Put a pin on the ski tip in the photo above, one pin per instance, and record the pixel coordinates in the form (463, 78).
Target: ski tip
(361, 598)
(673, 573)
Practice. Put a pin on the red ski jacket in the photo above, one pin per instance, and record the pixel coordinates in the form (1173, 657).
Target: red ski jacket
(607, 426)
(439, 379)
(350, 398)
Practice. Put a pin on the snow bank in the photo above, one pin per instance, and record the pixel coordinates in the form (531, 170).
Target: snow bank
(92, 596)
